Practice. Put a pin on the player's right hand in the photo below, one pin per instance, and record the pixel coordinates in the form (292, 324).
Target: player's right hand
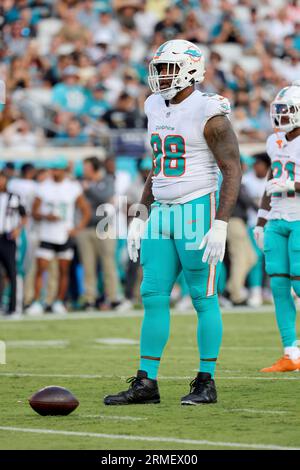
(214, 242)
(135, 233)
(259, 236)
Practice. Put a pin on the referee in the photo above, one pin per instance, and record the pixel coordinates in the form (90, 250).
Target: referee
(12, 219)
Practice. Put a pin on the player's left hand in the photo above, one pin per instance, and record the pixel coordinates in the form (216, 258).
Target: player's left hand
(135, 233)
(215, 241)
(277, 185)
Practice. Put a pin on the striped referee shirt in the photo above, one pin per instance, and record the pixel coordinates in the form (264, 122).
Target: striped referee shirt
(11, 211)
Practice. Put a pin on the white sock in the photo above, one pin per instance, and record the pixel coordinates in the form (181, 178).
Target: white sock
(293, 352)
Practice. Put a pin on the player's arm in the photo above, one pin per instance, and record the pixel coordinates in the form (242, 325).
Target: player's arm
(14, 234)
(222, 141)
(263, 213)
(137, 226)
(147, 196)
(85, 210)
(37, 215)
(265, 206)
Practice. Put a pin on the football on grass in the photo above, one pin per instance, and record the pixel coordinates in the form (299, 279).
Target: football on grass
(53, 401)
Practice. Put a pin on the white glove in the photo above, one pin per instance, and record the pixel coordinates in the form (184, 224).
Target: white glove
(259, 236)
(215, 241)
(277, 185)
(135, 233)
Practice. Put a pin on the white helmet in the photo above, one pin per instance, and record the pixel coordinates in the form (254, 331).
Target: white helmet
(286, 107)
(190, 67)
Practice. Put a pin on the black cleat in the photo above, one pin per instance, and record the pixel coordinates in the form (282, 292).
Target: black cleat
(203, 391)
(141, 391)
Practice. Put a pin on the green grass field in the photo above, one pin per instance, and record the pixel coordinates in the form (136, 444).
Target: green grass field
(254, 410)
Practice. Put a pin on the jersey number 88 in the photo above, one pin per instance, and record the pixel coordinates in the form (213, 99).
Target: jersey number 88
(168, 155)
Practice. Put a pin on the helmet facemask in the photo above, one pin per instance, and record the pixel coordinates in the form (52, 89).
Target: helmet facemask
(182, 64)
(285, 117)
(156, 79)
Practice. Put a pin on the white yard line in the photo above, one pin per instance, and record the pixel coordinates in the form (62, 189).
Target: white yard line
(255, 411)
(28, 343)
(170, 440)
(96, 376)
(116, 341)
(118, 418)
(130, 314)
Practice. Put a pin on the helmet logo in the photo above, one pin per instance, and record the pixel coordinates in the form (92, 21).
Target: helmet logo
(194, 54)
(282, 92)
(159, 51)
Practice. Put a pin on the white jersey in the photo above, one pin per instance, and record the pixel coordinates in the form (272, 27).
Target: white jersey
(184, 166)
(26, 189)
(58, 199)
(285, 157)
(255, 187)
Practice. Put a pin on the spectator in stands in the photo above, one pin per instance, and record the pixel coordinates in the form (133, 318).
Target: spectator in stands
(107, 25)
(86, 15)
(73, 136)
(208, 14)
(72, 30)
(17, 39)
(145, 21)
(280, 27)
(227, 31)
(20, 136)
(246, 128)
(170, 27)
(18, 76)
(296, 36)
(125, 114)
(192, 30)
(98, 105)
(70, 95)
(239, 80)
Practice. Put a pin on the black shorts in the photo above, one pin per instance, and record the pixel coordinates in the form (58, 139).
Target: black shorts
(48, 250)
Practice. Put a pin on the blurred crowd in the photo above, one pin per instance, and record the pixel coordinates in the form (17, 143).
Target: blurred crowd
(77, 69)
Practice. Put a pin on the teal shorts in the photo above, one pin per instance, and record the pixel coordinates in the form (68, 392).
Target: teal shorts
(282, 247)
(171, 244)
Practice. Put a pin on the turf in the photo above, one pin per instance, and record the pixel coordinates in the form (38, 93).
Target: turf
(253, 408)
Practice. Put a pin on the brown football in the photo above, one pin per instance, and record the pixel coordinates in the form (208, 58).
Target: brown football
(53, 401)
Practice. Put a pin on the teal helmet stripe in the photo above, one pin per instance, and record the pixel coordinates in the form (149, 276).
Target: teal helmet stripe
(160, 49)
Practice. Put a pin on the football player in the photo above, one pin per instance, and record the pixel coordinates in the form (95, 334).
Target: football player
(191, 139)
(278, 224)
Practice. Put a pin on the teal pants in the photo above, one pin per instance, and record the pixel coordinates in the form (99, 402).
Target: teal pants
(256, 274)
(169, 246)
(282, 252)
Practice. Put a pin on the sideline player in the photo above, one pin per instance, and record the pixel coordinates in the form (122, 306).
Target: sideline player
(54, 207)
(278, 225)
(191, 138)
